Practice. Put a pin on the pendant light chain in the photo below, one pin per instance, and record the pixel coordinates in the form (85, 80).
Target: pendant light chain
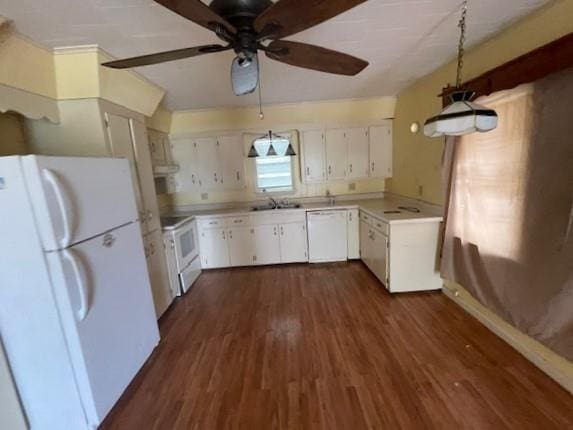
(261, 114)
(462, 26)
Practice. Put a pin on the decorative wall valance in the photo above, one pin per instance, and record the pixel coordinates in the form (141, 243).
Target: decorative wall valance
(30, 105)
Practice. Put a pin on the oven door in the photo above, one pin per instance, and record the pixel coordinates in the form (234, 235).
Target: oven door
(186, 248)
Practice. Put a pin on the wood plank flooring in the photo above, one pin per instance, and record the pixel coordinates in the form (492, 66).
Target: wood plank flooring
(325, 347)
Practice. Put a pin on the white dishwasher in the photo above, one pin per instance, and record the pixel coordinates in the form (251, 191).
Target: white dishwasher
(327, 237)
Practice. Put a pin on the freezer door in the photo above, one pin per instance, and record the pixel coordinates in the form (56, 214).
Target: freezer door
(75, 199)
(103, 294)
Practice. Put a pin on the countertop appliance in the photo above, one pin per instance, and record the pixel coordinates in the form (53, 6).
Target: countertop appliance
(76, 311)
(184, 265)
(327, 236)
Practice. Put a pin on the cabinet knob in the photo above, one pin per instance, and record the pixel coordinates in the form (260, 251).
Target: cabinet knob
(308, 171)
(373, 166)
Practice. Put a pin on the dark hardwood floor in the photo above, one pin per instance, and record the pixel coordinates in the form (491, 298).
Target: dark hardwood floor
(325, 347)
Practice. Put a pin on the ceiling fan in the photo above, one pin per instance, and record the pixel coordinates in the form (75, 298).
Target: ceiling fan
(249, 26)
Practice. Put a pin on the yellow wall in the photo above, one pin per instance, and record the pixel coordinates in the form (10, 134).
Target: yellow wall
(26, 66)
(161, 120)
(281, 118)
(417, 159)
(79, 75)
(12, 141)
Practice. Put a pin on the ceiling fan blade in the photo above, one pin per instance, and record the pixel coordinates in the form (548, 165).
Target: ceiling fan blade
(292, 16)
(198, 12)
(162, 57)
(315, 58)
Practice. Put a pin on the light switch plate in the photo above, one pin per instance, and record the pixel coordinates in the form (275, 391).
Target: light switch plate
(352, 186)
(204, 196)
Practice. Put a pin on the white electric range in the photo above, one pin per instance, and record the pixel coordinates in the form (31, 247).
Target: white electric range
(182, 251)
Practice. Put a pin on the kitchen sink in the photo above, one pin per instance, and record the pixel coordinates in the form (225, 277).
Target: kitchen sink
(276, 207)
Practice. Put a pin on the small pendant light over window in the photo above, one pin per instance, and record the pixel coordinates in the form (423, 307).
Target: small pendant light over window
(462, 116)
(272, 137)
(253, 151)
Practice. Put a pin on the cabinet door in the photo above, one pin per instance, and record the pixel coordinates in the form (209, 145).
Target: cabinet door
(232, 161)
(267, 244)
(208, 163)
(336, 154)
(358, 155)
(158, 276)
(313, 149)
(241, 246)
(379, 256)
(381, 151)
(184, 152)
(353, 232)
(213, 248)
(156, 147)
(145, 175)
(293, 243)
(119, 134)
(365, 243)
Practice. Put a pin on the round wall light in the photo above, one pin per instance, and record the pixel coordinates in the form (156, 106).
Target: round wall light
(415, 127)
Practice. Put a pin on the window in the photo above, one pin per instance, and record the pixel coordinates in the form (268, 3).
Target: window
(274, 173)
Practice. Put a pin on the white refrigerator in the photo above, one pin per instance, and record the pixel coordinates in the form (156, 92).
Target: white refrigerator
(76, 313)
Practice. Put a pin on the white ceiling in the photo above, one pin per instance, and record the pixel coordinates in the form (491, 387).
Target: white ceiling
(402, 39)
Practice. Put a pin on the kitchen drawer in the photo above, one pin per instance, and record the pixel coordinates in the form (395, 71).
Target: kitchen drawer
(277, 217)
(366, 218)
(212, 223)
(381, 226)
(239, 221)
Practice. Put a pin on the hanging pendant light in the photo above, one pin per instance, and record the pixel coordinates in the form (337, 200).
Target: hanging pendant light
(253, 151)
(271, 152)
(462, 116)
(290, 151)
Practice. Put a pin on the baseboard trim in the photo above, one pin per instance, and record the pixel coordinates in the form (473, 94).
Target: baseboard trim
(556, 367)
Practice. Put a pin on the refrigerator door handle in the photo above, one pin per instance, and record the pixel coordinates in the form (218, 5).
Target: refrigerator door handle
(80, 281)
(56, 185)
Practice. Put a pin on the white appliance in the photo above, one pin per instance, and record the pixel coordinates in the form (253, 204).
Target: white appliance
(180, 238)
(76, 311)
(327, 236)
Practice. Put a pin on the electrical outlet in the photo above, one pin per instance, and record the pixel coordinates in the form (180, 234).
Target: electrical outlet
(420, 190)
(204, 196)
(352, 186)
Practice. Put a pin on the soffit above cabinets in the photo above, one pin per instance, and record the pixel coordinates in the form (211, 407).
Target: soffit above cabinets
(391, 34)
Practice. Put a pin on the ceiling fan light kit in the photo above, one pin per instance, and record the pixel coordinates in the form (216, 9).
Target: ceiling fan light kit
(462, 116)
(245, 24)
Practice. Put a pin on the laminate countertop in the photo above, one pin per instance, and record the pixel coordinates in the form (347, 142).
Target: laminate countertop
(393, 210)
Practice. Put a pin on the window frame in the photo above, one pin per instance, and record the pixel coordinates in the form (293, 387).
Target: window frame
(279, 191)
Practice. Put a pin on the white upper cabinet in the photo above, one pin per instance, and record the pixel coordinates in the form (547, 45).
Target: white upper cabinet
(313, 149)
(185, 153)
(381, 151)
(336, 148)
(208, 168)
(145, 174)
(357, 139)
(119, 134)
(232, 161)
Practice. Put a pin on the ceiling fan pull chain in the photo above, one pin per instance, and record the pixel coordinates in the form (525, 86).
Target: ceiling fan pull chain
(261, 114)
(462, 26)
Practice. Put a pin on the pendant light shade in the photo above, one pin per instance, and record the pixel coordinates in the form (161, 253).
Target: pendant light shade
(253, 151)
(461, 117)
(290, 151)
(271, 151)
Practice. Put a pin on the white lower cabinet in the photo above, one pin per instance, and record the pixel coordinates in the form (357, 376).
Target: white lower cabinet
(214, 248)
(252, 240)
(158, 274)
(403, 256)
(241, 246)
(293, 243)
(267, 244)
(353, 234)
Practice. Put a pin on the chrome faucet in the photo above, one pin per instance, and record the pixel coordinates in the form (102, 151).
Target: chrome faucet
(274, 203)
